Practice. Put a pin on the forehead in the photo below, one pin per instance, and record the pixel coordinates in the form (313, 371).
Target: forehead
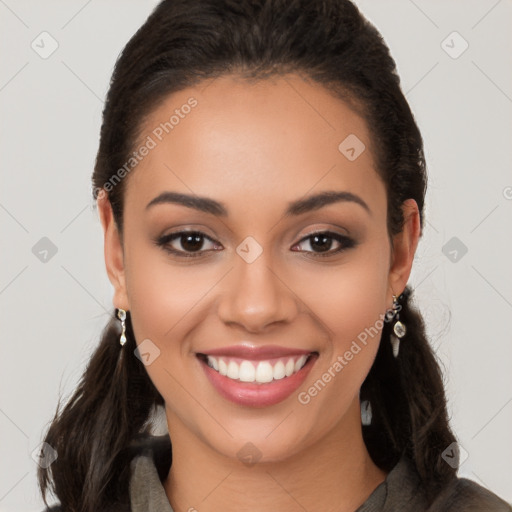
(271, 140)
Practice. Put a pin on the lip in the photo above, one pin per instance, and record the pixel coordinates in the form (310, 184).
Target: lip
(251, 394)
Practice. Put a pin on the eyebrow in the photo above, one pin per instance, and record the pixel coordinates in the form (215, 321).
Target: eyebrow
(298, 207)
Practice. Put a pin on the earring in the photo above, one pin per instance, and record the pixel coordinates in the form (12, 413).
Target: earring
(121, 314)
(366, 412)
(399, 329)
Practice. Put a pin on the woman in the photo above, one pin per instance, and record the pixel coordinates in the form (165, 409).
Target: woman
(260, 182)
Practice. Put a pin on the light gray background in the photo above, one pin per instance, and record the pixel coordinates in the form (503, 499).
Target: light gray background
(52, 313)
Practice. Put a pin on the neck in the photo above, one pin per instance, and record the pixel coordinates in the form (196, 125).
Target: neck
(334, 474)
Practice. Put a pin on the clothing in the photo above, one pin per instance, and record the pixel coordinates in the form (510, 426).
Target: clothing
(400, 492)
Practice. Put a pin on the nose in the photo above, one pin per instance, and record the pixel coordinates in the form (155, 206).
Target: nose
(254, 296)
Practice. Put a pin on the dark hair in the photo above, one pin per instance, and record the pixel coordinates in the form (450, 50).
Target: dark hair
(182, 43)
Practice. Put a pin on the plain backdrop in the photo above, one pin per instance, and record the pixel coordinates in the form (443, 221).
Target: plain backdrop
(454, 59)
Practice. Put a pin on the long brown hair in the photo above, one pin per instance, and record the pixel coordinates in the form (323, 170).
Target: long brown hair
(182, 43)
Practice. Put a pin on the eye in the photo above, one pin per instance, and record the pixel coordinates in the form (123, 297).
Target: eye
(321, 243)
(190, 244)
(187, 244)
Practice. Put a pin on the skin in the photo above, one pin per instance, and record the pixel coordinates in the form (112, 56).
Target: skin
(255, 147)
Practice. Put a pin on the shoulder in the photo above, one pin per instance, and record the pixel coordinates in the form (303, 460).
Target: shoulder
(404, 490)
(464, 495)
(158, 448)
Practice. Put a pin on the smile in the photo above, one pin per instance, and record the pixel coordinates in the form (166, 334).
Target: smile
(257, 371)
(256, 376)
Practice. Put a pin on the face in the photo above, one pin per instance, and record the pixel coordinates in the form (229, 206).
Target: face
(260, 309)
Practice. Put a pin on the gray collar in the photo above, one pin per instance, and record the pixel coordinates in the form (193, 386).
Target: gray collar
(400, 489)
(147, 493)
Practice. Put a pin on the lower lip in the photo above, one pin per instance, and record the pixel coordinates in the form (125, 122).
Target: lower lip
(257, 395)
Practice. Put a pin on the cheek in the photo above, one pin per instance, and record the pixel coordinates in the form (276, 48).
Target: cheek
(165, 302)
(347, 298)
(350, 304)
(163, 295)
(168, 303)
(334, 382)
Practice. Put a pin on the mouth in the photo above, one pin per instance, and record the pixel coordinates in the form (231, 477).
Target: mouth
(256, 378)
(262, 372)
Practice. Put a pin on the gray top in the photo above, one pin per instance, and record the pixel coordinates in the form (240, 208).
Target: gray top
(400, 492)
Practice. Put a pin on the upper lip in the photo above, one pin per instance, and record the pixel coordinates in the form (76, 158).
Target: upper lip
(259, 352)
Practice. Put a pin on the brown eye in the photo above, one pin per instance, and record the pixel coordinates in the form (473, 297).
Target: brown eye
(321, 243)
(191, 242)
(186, 243)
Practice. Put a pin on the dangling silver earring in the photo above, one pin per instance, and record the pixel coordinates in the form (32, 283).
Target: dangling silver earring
(121, 314)
(366, 412)
(399, 329)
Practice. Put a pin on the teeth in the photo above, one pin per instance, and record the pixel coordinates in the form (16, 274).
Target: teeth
(279, 370)
(223, 367)
(247, 372)
(214, 363)
(300, 363)
(233, 370)
(264, 372)
(289, 368)
(261, 372)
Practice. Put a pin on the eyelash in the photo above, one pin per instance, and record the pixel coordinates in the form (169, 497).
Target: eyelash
(164, 241)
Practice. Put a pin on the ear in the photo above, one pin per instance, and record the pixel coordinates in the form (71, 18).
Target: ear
(404, 247)
(113, 251)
